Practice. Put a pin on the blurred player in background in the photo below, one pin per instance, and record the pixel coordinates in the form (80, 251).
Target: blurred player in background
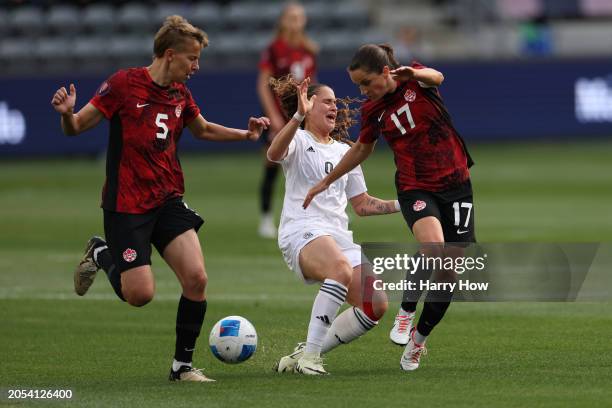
(316, 243)
(148, 107)
(432, 178)
(291, 52)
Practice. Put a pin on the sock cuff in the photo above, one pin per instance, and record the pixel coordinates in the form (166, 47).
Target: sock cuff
(190, 302)
(364, 320)
(97, 251)
(404, 312)
(335, 290)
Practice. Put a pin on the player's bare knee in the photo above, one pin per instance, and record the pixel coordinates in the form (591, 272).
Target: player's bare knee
(433, 250)
(139, 297)
(378, 309)
(196, 283)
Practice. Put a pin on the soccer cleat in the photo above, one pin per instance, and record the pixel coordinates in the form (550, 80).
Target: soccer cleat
(287, 363)
(412, 354)
(310, 365)
(400, 332)
(266, 227)
(190, 374)
(85, 272)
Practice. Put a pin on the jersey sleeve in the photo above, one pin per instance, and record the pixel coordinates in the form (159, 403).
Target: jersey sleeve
(111, 94)
(418, 65)
(356, 183)
(291, 150)
(191, 110)
(369, 127)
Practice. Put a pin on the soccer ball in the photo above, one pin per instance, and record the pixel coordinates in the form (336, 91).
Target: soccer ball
(233, 339)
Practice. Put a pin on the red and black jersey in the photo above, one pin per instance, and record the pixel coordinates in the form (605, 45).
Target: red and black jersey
(429, 153)
(281, 59)
(146, 121)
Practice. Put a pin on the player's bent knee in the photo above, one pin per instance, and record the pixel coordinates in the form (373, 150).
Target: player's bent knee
(378, 310)
(138, 298)
(196, 283)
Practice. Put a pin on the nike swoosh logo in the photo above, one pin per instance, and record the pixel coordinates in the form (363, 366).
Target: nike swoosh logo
(381, 115)
(138, 105)
(462, 232)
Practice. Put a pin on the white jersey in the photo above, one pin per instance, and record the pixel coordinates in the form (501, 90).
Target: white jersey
(307, 162)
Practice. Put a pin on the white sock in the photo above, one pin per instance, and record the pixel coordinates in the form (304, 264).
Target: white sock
(349, 325)
(324, 309)
(418, 337)
(178, 364)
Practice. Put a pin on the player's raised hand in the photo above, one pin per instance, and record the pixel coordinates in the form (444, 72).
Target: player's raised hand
(402, 73)
(62, 101)
(256, 127)
(318, 188)
(304, 104)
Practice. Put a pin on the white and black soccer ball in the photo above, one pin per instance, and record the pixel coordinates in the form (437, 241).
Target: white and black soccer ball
(233, 339)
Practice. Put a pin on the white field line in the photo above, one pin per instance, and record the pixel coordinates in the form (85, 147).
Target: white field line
(6, 294)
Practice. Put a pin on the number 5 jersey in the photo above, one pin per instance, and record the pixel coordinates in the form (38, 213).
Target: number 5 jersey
(146, 121)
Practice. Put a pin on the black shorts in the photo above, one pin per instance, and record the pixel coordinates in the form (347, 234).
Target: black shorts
(453, 208)
(129, 236)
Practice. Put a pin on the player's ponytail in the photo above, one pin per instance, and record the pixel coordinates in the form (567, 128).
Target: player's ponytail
(373, 58)
(390, 55)
(286, 90)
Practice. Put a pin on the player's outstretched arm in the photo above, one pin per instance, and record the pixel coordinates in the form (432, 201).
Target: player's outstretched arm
(353, 157)
(74, 123)
(202, 129)
(280, 144)
(364, 205)
(428, 76)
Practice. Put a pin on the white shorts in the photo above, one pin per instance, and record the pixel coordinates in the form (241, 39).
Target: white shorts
(292, 240)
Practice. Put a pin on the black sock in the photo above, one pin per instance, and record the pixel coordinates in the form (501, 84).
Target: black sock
(189, 319)
(267, 187)
(104, 259)
(411, 297)
(436, 304)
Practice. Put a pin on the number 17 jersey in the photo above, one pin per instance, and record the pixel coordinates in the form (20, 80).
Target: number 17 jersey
(429, 153)
(146, 121)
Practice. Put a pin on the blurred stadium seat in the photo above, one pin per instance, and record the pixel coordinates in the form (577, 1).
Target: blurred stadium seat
(63, 20)
(136, 18)
(238, 30)
(99, 18)
(27, 20)
(208, 16)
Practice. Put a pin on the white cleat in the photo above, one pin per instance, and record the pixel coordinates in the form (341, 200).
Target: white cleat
(310, 365)
(400, 333)
(287, 364)
(412, 354)
(267, 229)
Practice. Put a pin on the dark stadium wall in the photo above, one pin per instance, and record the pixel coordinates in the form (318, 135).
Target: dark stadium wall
(499, 101)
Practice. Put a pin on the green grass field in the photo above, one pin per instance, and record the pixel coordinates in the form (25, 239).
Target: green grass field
(483, 354)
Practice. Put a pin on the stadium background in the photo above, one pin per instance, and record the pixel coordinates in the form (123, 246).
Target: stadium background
(529, 85)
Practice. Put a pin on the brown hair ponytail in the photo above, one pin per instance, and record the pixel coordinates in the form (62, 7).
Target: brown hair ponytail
(373, 58)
